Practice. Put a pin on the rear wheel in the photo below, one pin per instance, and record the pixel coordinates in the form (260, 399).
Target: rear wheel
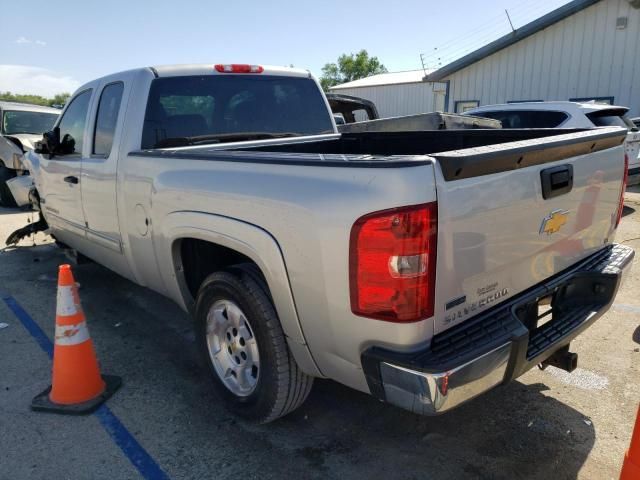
(6, 199)
(242, 342)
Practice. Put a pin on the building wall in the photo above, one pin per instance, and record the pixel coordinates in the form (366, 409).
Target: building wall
(401, 99)
(582, 56)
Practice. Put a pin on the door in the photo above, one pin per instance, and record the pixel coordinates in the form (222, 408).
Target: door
(60, 175)
(99, 171)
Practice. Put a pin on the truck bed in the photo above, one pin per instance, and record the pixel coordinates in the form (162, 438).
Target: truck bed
(460, 153)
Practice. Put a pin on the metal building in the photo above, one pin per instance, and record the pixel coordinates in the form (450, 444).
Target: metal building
(584, 50)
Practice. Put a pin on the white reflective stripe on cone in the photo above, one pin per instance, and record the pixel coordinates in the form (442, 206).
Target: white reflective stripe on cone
(72, 334)
(65, 303)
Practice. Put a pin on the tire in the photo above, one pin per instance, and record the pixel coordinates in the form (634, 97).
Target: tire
(6, 199)
(262, 391)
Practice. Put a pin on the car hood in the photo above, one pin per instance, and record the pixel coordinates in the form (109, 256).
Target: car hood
(27, 139)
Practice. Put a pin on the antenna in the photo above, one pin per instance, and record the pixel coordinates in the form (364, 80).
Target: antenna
(509, 18)
(424, 69)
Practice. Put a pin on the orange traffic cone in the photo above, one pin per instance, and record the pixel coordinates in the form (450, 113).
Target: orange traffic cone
(77, 386)
(631, 464)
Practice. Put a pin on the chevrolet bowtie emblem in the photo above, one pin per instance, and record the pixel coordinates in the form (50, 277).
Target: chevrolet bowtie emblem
(553, 222)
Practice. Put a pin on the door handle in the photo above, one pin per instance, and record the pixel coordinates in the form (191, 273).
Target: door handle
(556, 181)
(71, 179)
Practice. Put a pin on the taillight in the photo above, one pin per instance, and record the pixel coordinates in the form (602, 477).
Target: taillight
(238, 68)
(623, 189)
(392, 258)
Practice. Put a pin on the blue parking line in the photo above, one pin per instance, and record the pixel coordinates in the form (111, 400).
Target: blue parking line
(32, 327)
(137, 455)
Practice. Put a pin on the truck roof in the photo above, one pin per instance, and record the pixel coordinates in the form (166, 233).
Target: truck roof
(202, 69)
(28, 107)
(208, 68)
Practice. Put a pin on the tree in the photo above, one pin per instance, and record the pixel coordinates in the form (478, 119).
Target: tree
(58, 100)
(350, 67)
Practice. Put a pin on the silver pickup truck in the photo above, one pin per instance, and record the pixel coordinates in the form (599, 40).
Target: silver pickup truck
(423, 268)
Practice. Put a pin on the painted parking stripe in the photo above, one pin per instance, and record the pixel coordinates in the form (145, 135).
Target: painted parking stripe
(137, 455)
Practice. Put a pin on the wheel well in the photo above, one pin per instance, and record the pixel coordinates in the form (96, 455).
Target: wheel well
(201, 258)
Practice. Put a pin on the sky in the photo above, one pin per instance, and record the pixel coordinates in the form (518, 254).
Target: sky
(48, 48)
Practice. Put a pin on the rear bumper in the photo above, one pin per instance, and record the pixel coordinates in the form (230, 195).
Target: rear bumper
(500, 344)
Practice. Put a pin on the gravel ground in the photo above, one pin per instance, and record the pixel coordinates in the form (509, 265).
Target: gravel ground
(548, 424)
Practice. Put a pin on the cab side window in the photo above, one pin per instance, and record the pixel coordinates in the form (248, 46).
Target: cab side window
(107, 118)
(72, 124)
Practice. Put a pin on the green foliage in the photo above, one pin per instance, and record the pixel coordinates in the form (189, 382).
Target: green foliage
(350, 67)
(58, 100)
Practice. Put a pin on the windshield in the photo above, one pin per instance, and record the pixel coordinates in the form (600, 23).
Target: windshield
(210, 105)
(18, 121)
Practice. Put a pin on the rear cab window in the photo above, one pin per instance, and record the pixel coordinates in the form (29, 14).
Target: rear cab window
(526, 118)
(210, 105)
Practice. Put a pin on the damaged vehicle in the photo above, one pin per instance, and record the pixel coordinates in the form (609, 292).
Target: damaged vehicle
(421, 267)
(21, 125)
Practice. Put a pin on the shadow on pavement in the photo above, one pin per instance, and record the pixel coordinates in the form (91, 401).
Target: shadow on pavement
(516, 431)
(626, 210)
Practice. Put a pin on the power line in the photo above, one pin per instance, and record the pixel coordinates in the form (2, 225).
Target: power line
(492, 29)
(490, 23)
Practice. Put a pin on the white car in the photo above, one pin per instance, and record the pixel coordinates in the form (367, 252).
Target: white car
(567, 115)
(21, 124)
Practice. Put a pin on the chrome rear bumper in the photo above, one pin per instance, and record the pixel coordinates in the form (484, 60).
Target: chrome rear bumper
(500, 344)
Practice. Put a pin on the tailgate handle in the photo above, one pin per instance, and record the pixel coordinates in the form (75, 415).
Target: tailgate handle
(556, 181)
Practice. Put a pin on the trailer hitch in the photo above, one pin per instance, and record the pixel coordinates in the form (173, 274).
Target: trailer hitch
(563, 359)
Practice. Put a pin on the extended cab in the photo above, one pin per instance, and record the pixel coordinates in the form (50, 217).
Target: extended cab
(423, 268)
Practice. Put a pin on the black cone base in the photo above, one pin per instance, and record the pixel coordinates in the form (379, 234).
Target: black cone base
(42, 403)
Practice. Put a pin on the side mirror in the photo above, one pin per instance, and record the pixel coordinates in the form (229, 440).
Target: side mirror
(50, 143)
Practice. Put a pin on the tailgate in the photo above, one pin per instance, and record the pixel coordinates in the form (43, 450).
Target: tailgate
(498, 235)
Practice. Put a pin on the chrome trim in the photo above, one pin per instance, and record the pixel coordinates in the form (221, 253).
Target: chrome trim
(55, 220)
(101, 239)
(432, 393)
(104, 240)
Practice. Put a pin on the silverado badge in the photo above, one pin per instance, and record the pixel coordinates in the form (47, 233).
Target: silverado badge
(553, 222)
